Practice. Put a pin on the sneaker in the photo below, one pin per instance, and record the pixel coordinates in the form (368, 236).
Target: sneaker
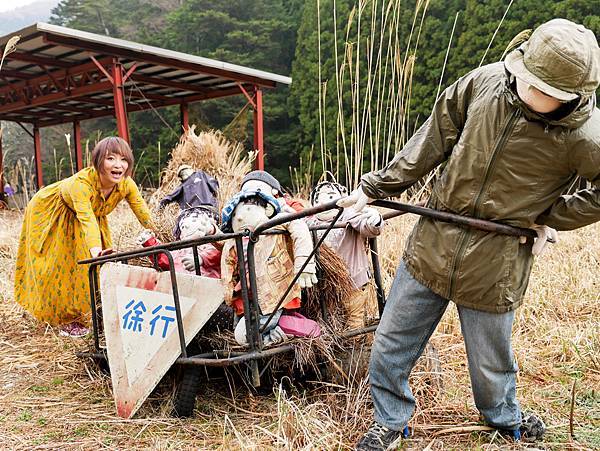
(532, 429)
(380, 438)
(74, 329)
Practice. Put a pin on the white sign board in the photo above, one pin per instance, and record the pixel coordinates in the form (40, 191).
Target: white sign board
(140, 325)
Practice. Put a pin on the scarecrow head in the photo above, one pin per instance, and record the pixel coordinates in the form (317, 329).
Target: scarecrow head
(184, 172)
(326, 192)
(261, 181)
(195, 223)
(248, 209)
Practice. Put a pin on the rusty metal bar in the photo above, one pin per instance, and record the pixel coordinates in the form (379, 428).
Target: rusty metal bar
(475, 223)
(377, 275)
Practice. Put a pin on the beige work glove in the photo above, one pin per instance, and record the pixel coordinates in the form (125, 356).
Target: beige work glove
(357, 198)
(545, 235)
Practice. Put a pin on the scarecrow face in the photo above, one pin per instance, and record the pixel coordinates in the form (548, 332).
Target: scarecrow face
(248, 216)
(196, 225)
(326, 194)
(185, 174)
(258, 185)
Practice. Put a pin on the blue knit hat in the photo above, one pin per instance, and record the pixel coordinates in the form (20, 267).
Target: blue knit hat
(229, 208)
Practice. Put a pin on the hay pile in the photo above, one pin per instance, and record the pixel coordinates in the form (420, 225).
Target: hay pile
(212, 153)
(208, 151)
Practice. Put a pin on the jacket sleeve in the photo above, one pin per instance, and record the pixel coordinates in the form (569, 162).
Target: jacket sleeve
(81, 194)
(583, 207)
(171, 197)
(303, 245)
(138, 204)
(358, 221)
(428, 147)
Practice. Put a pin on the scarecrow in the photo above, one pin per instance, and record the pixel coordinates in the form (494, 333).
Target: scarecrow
(349, 243)
(278, 258)
(192, 223)
(266, 183)
(196, 189)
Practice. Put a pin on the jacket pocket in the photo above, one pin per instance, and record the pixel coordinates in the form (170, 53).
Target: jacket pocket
(279, 266)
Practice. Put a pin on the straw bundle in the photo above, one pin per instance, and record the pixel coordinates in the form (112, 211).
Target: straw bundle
(212, 153)
(333, 289)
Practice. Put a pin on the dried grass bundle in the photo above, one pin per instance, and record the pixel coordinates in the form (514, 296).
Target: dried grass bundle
(334, 289)
(212, 153)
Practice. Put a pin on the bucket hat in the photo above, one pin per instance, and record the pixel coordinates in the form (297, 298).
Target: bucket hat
(561, 59)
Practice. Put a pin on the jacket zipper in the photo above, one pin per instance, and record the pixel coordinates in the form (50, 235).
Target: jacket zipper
(486, 181)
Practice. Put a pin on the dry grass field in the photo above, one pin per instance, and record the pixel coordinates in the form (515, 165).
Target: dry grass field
(50, 399)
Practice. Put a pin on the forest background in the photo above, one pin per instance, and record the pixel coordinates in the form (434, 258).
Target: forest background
(314, 42)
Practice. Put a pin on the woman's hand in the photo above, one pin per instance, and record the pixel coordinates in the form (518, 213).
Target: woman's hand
(99, 252)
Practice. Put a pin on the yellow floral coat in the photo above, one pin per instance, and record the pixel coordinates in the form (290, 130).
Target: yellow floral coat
(62, 222)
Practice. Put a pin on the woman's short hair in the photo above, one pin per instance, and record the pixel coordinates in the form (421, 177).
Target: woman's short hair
(112, 144)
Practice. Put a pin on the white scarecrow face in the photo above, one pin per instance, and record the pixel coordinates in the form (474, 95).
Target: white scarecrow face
(257, 185)
(185, 174)
(327, 194)
(248, 216)
(196, 226)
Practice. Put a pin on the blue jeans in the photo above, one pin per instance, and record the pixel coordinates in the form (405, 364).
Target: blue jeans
(411, 314)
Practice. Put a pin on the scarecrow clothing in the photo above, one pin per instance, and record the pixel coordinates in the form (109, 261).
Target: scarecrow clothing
(278, 258)
(503, 163)
(62, 222)
(197, 190)
(349, 242)
(211, 259)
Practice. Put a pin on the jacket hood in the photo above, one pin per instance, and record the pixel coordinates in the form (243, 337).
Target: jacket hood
(574, 117)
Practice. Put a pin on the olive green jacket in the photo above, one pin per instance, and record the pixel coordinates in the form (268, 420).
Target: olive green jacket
(504, 163)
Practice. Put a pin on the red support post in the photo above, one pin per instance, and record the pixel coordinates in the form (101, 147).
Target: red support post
(258, 129)
(119, 100)
(185, 117)
(2, 196)
(78, 150)
(37, 147)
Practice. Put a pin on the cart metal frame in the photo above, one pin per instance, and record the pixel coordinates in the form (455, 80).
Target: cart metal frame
(256, 351)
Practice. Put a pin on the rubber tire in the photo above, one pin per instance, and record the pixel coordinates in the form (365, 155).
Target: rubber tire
(185, 397)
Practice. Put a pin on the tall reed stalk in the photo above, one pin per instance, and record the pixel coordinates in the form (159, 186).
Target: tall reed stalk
(374, 70)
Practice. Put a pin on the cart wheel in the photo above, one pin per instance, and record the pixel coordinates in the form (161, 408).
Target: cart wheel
(185, 398)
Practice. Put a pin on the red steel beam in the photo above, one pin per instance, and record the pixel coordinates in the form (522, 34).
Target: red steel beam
(185, 117)
(59, 74)
(45, 61)
(57, 96)
(141, 107)
(258, 129)
(120, 102)
(37, 148)
(147, 57)
(78, 150)
(181, 85)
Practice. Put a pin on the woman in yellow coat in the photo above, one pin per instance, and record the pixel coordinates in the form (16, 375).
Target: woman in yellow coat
(66, 222)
